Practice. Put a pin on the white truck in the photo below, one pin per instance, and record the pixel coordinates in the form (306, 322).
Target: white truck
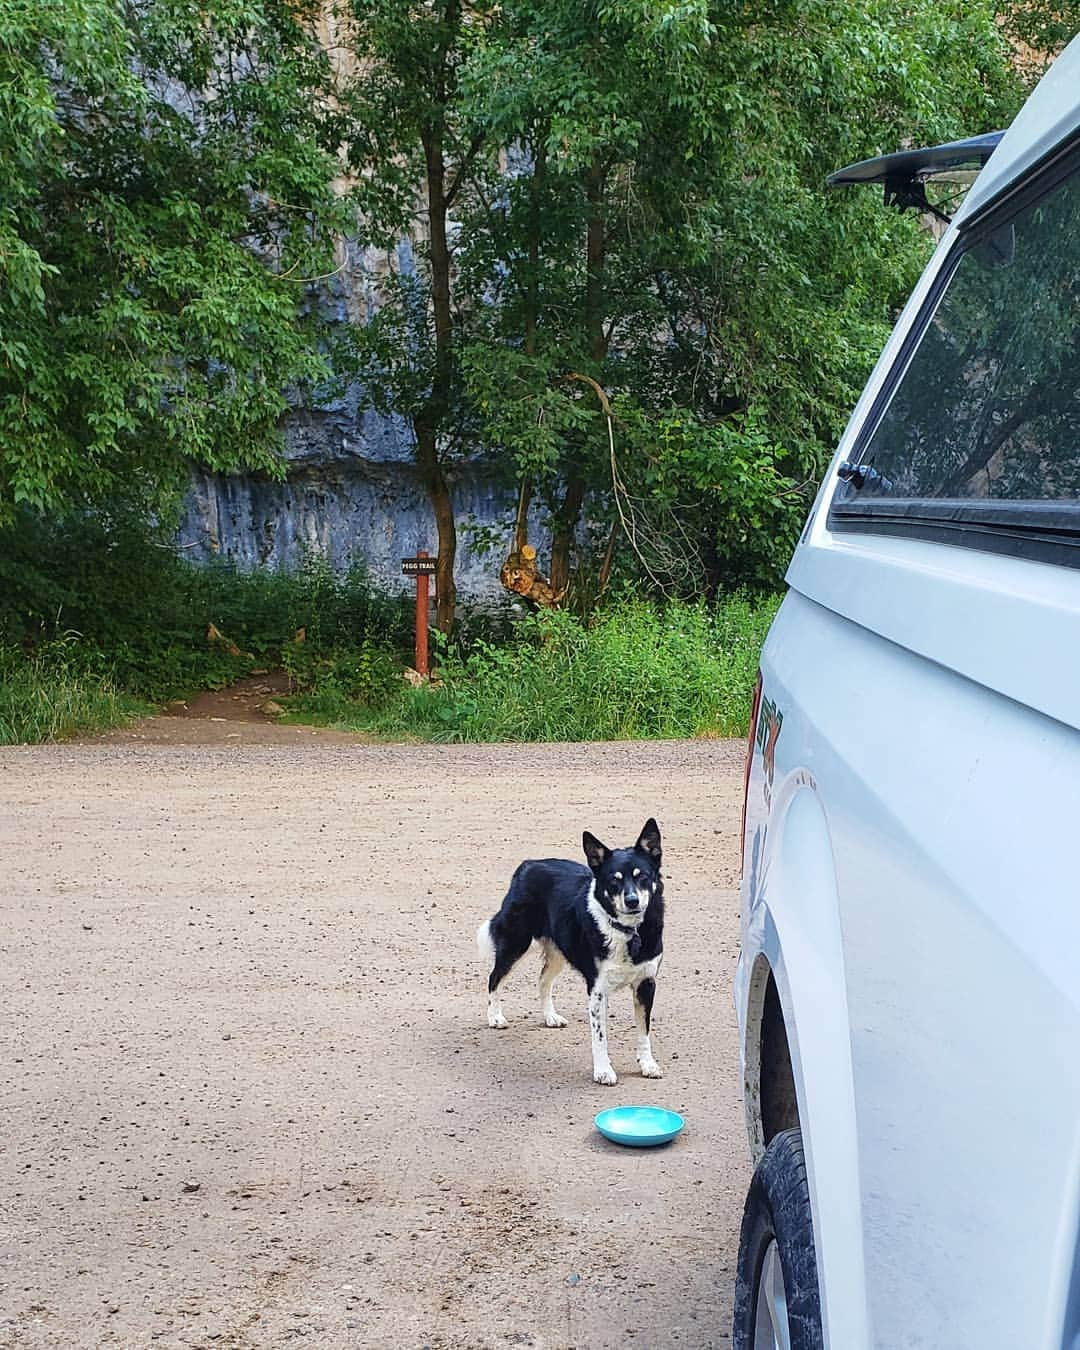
(908, 990)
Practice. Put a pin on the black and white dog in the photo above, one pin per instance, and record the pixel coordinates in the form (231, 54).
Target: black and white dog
(606, 920)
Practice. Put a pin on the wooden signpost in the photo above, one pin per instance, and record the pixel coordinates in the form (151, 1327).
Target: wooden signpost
(421, 567)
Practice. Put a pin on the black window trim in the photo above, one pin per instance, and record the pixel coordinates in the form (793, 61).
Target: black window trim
(1042, 531)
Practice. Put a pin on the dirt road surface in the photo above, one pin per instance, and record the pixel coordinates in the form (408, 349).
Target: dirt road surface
(248, 1095)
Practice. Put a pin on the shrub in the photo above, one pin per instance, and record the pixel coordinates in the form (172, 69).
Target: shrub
(50, 696)
(364, 674)
(636, 670)
(142, 613)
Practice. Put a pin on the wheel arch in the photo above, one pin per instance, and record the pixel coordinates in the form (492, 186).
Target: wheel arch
(797, 1046)
(769, 1090)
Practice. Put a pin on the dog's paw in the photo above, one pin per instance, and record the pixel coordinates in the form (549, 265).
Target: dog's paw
(497, 1021)
(650, 1069)
(552, 1019)
(607, 1077)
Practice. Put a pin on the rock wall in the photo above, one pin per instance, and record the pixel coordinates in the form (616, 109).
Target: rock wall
(352, 492)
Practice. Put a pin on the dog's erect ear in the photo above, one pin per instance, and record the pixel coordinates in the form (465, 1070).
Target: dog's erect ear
(596, 853)
(649, 840)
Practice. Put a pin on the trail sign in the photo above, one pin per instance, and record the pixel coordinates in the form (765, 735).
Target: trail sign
(421, 567)
(418, 567)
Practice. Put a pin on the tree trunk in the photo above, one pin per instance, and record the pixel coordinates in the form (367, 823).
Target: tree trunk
(529, 319)
(604, 575)
(714, 572)
(532, 278)
(429, 420)
(565, 527)
(442, 508)
(521, 521)
(595, 250)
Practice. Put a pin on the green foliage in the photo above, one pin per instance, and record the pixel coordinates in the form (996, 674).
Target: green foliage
(728, 290)
(98, 612)
(1040, 29)
(726, 484)
(156, 233)
(363, 674)
(142, 614)
(637, 670)
(628, 191)
(51, 696)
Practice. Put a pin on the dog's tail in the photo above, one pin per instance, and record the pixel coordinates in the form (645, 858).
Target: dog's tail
(484, 943)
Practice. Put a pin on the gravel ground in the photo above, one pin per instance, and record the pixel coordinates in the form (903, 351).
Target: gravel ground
(249, 1098)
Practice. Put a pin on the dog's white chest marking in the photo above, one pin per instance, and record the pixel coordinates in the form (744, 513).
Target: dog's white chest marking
(618, 970)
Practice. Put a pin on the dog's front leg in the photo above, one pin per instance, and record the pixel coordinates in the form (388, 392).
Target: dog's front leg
(643, 1001)
(602, 1071)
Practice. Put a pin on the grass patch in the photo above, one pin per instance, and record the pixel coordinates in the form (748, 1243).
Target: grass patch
(49, 697)
(637, 670)
(98, 616)
(104, 615)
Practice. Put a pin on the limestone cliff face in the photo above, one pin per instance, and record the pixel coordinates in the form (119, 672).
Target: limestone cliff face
(352, 492)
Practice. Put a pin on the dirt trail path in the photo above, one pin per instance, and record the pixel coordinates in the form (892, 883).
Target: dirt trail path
(248, 1098)
(235, 715)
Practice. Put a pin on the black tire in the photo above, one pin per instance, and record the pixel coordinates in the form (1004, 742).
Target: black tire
(778, 1210)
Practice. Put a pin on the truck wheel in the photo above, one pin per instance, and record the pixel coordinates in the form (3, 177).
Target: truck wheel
(777, 1306)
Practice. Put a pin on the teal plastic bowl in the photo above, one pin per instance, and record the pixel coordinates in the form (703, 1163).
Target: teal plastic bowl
(639, 1126)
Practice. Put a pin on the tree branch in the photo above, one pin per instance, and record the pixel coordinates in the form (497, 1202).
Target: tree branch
(475, 146)
(598, 389)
